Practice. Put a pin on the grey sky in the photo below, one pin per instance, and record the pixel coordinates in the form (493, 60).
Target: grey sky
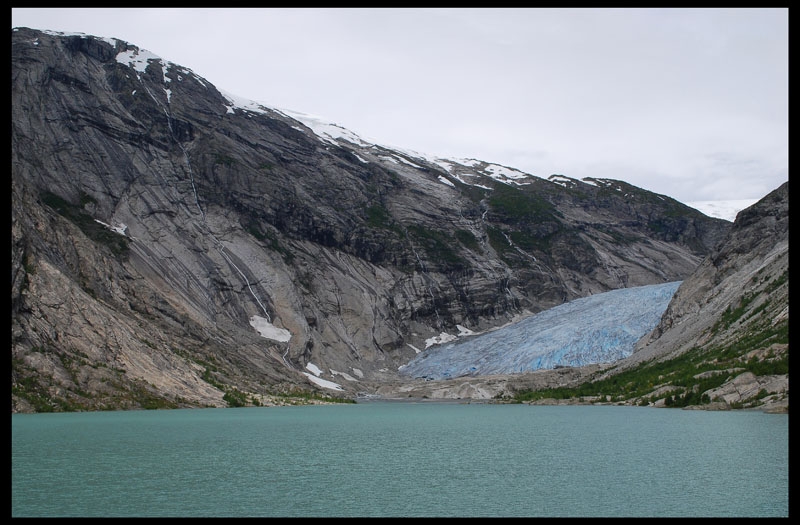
(690, 103)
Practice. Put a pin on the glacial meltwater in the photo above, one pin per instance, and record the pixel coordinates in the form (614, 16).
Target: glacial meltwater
(378, 459)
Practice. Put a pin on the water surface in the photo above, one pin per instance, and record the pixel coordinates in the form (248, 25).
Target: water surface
(402, 459)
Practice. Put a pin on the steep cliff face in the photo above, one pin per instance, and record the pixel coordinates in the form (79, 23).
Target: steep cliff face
(739, 293)
(174, 245)
(721, 343)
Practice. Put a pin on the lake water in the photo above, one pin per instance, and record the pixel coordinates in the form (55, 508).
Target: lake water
(402, 459)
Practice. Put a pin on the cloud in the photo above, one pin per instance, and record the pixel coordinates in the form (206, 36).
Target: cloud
(657, 97)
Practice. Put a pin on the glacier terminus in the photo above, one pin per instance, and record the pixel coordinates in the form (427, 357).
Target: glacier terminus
(601, 328)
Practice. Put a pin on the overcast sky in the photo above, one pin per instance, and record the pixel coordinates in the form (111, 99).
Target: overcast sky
(691, 103)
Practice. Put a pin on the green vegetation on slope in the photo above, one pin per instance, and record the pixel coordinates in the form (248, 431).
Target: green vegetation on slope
(681, 381)
(514, 205)
(118, 244)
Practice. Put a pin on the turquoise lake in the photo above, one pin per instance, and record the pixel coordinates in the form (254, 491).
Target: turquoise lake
(379, 459)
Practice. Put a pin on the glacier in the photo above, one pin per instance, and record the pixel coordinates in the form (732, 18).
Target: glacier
(601, 328)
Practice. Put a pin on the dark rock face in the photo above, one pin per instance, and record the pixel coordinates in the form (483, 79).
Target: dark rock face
(741, 289)
(156, 222)
(729, 317)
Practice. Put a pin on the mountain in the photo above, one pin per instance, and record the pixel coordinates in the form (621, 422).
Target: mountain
(723, 340)
(174, 245)
(742, 288)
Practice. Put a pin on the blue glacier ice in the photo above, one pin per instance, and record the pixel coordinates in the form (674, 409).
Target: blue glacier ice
(601, 328)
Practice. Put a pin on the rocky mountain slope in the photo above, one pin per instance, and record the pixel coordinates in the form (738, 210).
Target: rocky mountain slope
(729, 321)
(173, 245)
(741, 288)
(722, 341)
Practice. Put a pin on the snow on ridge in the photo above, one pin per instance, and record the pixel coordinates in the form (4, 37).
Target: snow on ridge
(727, 210)
(502, 174)
(569, 182)
(408, 152)
(608, 183)
(406, 161)
(446, 166)
(495, 171)
(462, 181)
(242, 103)
(331, 133)
(562, 181)
(112, 41)
(137, 58)
(445, 181)
(327, 131)
(468, 162)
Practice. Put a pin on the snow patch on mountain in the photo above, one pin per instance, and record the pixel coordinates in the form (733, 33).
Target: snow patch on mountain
(136, 58)
(268, 330)
(314, 377)
(722, 209)
(331, 133)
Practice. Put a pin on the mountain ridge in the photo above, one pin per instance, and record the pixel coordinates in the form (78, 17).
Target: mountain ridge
(159, 231)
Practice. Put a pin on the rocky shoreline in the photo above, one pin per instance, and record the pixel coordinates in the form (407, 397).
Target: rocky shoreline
(738, 392)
